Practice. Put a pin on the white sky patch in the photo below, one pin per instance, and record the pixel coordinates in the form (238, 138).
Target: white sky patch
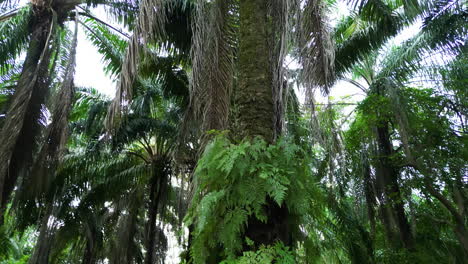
(89, 67)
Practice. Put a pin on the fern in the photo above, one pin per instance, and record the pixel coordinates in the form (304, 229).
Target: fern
(278, 253)
(235, 182)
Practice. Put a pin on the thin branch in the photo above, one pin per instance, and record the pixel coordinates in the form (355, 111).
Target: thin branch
(433, 191)
(86, 14)
(355, 83)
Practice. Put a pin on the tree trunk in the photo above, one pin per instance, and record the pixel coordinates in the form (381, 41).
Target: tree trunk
(255, 93)
(45, 239)
(256, 109)
(154, 198)
(21, 123)
(89, 256)
(392, 200)
(370, 198)
(462, 236)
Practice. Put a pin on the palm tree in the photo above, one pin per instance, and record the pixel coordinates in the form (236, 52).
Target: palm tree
(145, 140)
(21, 125)
(385, 87)
(242, 34)
(38, 28)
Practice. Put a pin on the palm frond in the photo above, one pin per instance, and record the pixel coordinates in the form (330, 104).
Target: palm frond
(357, 37)
(434, 36)
(125, 247)
(124, 12)
(213, 53)
(110, 45)
(446, 25)
(57, 132)
(14, 36)
(168, 75)
(21, 124)
(317, 52)
(152, 17)
(8, 4)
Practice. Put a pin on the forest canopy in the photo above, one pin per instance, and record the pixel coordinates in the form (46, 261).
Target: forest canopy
(241, 131)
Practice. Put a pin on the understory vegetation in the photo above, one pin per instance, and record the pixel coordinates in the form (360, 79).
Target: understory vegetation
(241, 131)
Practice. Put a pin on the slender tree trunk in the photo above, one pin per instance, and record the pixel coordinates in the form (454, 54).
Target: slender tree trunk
(154, 198)
(462, 236)
(388, 180)
(370, 199)
(45, 239)
(89, 256)
(21, 123)
(256, 109)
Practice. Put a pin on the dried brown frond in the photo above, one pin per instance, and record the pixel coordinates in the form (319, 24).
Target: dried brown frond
(21, 123)
(281, 13)
(152, 17)
(316, 47)
(213, 51)
(49, 225)
(57, 132)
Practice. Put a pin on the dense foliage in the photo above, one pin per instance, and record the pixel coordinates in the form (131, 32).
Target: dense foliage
(227, 140)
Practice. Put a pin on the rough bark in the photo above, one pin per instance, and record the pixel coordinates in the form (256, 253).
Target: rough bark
(254, 95)
(256, 109)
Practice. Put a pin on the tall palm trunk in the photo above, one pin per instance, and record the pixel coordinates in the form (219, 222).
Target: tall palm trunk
(21, 124)
(255, 94)
(256, 108)
(156, 186)
(392, 207)
(370, 198)
(45, 239)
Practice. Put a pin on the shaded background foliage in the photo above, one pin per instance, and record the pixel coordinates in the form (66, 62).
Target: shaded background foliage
(173, 163)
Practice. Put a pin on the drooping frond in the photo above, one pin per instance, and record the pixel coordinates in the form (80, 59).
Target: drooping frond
(446, 33)
(280, 37)
(45, 241)
(356, 36)
(170, 77)
(366, 69)
(213, 52)
(446, 25)
(9, 77)
(8, 4)
(14, 35)
(57, 132)
(125, 247)
(152, 17)
(124, 12)
(110, 45)
(316, 47)
(21, 124)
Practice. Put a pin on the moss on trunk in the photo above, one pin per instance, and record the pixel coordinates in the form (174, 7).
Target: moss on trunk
(254, 95)
(256, 109)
